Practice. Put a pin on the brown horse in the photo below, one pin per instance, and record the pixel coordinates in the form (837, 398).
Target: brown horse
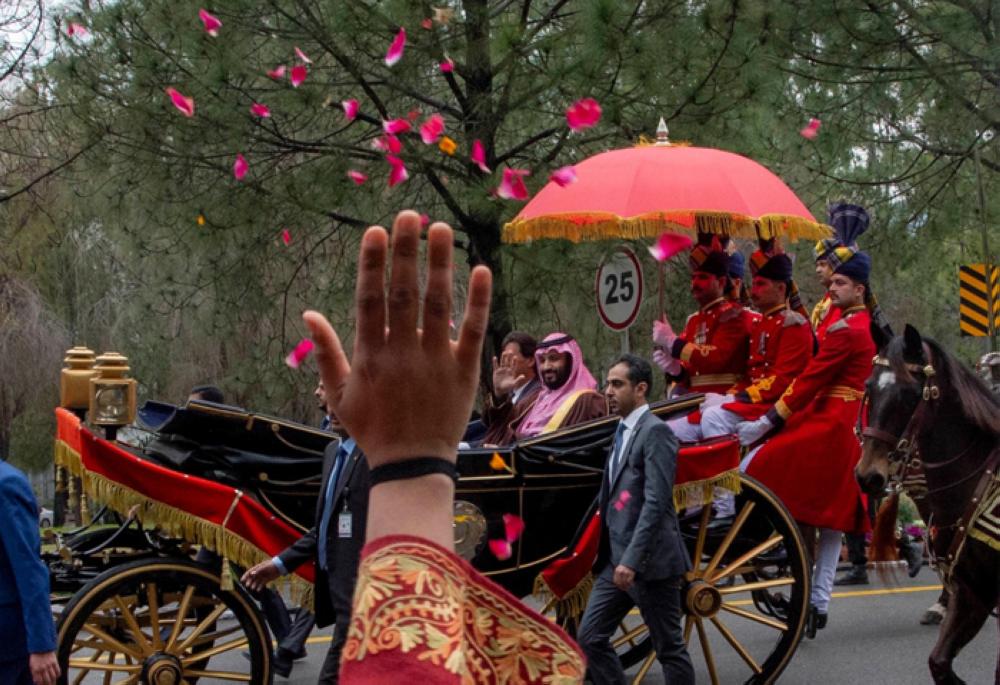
(926, 412)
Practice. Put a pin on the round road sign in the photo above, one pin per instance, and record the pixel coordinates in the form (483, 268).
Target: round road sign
(619, 289)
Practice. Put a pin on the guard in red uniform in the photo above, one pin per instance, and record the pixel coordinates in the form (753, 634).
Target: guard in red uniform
(710, 355)
(810, 462)
(780, 347)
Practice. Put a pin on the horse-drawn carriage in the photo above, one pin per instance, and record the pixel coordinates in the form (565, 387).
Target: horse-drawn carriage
(134, 608)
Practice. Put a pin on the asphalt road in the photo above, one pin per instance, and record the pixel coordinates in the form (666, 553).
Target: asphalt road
(874, 636)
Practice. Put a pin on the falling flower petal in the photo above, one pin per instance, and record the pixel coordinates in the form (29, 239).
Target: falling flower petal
(286, 236)
(211, 22)
(447, 145)
(350, 109)
(278, 72)
(447, 66)
(501, 549)
(240, 167)
(388, 143)
(397, 171)
(427, 24)
(396, 126)
(512, 186)
(184, 105)
(451, 322)
(260, 110)
(668, 245)
(811, 129)
(564, 176)
(425, 219)
(299, 354)
(200, 220)
(74, 29)
(298, 75)
(513, 525)
(432, 129)
(395, 52)
(497, 462)
(413, 114)
(623, 498)
(479, 156)
(357, 176)
(302, 56)
(583, 114)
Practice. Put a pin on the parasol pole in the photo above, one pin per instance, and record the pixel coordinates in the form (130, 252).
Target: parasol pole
(662, 140)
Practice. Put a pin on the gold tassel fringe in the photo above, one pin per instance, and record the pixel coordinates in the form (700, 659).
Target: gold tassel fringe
(605, 226)
(570, 605)
(66, 457)
(698, 492)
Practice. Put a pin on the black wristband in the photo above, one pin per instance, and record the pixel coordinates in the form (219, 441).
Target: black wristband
(412, 468)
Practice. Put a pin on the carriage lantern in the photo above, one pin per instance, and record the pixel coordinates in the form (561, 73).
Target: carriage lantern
(74, 382)
(112, 393)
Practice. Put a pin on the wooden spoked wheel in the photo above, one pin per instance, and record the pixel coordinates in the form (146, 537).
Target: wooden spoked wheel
(747, 597)
(161, 622)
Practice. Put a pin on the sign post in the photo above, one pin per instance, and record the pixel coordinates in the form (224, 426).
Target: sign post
(619, 291)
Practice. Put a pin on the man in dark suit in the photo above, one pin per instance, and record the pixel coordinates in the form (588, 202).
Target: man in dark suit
(27, 632)
(334, 542)
(641, 560)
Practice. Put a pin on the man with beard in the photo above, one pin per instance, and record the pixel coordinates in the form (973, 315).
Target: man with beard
(569, 393)
(710, 354)
(515, 389)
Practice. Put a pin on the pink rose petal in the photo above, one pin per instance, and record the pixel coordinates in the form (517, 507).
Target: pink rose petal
(564, 176)
(278, 72)
(286, 236)
(624, 497)
(427, 24)
(211, 22)
(350, 109)
(447, 66)
(424, 220)
(397, 171)
(298, 75)
(260, 110)
(513, 525)
(583, 114)
(512, 186)
(501, 549)
(396, 126)
(302, 56)
(811, 129)
(388, 143)
(240, 167)
(357, 176)
(395, 52)
(299, 354)
(75, 29)
(184, 105)
(479, 156)
(432, 129)
(668, 245)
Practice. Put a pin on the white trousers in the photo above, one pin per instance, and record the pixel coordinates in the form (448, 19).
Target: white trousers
(827, 556)
(693, 432)
(716, 421)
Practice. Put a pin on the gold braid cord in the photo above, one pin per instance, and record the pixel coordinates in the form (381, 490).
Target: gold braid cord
(417, 604)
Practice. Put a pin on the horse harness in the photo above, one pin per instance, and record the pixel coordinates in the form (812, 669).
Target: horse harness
(906, 469)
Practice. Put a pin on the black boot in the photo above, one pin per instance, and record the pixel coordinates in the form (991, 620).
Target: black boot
(858, 575)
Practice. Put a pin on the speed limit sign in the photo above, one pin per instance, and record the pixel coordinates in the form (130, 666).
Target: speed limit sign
(619, 289)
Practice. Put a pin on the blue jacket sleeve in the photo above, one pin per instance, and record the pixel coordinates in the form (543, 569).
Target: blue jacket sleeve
(22, 546)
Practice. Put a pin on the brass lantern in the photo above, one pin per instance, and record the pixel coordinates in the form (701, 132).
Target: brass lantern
(74, 381)
(112, 393)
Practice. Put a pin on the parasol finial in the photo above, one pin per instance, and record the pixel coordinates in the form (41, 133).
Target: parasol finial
(662, 133)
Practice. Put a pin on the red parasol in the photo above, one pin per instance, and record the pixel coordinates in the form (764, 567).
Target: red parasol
(643, 191)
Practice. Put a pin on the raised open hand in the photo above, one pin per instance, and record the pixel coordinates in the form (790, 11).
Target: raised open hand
(505, 377)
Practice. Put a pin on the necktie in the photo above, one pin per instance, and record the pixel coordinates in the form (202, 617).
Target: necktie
(327, 514)
(616, 451)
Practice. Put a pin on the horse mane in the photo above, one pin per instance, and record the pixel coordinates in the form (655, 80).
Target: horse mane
(977, 403)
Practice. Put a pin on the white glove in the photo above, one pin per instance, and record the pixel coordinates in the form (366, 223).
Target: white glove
(667, 363)
(752, 431)
(663, 334)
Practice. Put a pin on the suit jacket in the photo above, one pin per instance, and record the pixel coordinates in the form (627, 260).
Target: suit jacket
(335, 586)
(503, 419)
(640, 530)
(26, 625)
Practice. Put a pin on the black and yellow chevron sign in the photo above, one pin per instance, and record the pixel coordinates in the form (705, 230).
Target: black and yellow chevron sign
(973, 300)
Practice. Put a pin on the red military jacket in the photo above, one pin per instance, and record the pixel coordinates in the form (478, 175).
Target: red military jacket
(823, 315)
(714, 346)
(781, 343)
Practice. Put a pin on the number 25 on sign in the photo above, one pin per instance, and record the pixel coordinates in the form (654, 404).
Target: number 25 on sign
(619, 289)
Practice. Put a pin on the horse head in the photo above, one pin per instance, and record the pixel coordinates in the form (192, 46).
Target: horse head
(892, 394)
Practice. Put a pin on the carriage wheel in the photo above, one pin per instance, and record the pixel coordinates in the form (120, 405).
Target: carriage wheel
(748, 594)
(161, 622)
